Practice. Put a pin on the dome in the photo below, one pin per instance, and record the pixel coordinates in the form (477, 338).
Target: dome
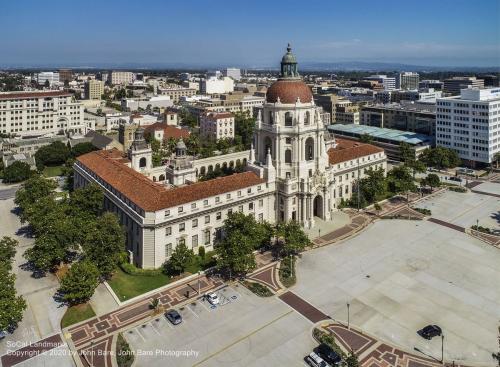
(288, 91)
(181, 144)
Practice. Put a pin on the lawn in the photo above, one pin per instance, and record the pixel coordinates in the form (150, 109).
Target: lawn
(128, 286)
(53, 171)
(76, 314)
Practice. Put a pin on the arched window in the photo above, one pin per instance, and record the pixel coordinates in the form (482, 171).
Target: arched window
(142, 162)
(307, 119)
(288, 156)
(154, 178)
(288, 119)
(271, 118)
(202, 170)
(268, 146)
(210, 168)
(161, 178)
(309, 149)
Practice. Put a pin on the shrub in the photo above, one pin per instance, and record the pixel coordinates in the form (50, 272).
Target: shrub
(133, 270)
(377, 206)
(481, 229)
(16, 172)
(287, 271)
(201, 252)
(124, 355)
(423, 211)
(323, 337)
(259, 289)
(457, 189)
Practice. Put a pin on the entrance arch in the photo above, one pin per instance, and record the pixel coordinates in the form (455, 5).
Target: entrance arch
(318, 207)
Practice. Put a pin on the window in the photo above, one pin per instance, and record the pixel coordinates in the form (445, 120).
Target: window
(180, 209)
(229, 211)
(168, 231)
(288, 156)
(261, 203)
(239, 193)
(194, 241)
(288, 119)
(193, 206)
(250, 206)
(261, 217)
(207, 219)
(167, 213)
(218, 215)
(217, 200)
(181, 241)
(240, 208)
(205, 202)
(228, 196)
(249, 190)
(194, 223)
(182, 227)
(168, 250)
(207, 237)
(288, 140)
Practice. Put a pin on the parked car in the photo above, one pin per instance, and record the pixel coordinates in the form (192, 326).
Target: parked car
(453, 178)
(3, 334)
(314, 360)
(328, 354)
(213, 298)
(173, 316)
(430, 331)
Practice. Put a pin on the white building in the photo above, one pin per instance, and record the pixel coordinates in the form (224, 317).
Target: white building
(214, 85)
(94, 89)
(294, 173)
(470, 124)
(44, 76)
(41, 113)
(215, 126)
(407, 80)
(121, 77)
(234, 73)
(143, 119)
(133, 104)
(389, 83)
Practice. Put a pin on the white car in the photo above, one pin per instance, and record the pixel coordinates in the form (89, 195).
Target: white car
(213, 298)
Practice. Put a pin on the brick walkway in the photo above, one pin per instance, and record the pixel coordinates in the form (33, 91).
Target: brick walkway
(405, 212)
(303, 307)
(267, 276)
(97, 334)
(374, 353)
(32, 350)
(490, 239)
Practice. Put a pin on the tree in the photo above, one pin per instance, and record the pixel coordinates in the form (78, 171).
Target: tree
(373, 186)
(291, 239)
(46, 253)
(7, 252)
(365, 138)
(181, 258)
(400, 180)
(120, 94)
(52, 154)
(87, 201)
(82, 148)
(440, 157)
(352, 360)
(187, 119)
(432, 180)
(11, 305)
(244, 126)
(46, 84)
(17, 172)
(258, 233)
(408, 157)
(235, 253)
(34, 189)
(104, 243)
(80, 282)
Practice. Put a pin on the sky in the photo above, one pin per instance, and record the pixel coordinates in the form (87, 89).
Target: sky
(248, 33)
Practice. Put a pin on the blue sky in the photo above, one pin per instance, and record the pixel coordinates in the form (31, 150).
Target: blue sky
(249, 33)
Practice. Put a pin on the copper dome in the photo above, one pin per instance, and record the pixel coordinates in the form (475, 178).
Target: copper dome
(288, 91)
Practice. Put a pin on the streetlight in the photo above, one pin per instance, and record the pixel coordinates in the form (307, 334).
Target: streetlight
(319, 232)
(348, 320)
(442, 349)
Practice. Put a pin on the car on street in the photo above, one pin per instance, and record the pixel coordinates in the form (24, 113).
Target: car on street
(430, 331)
(213, 298)
(328, 354)
(173, 316)
(314, 360)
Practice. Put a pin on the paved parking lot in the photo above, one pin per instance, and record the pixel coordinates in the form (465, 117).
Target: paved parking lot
(399, 276)
(464, 209)
(244, 330)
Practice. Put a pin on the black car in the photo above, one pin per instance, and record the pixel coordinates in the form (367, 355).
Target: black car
(328, 354)
(429, 332)
(173, 316)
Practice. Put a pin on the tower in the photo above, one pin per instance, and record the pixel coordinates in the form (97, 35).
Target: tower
(290, 128)
(140, 153)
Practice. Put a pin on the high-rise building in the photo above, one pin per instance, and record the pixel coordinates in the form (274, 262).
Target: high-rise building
(407, 80)
(389, 83)
(234, 73)
(65, 75)
(470, 124)
(40, 113)
(455, 84)
(94, 89)
(44, 76)
(215, 126)
(122, 77)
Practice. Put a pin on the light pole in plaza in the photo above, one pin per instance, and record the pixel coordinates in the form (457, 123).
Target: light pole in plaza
(348, 318)
(442, 349)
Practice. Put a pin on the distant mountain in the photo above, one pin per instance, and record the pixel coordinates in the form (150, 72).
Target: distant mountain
(387, 66)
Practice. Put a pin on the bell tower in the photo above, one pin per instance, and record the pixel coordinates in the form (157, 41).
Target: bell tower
(140, 153)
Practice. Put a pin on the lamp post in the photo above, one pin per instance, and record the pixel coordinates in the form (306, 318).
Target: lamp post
(442, 349)
(348, 318)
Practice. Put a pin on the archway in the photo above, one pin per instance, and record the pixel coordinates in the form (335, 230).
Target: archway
(318, 206)
(210, 168)
(288, 156)
(142, 162)
(161, 178)
(202, 171)
(309, 149)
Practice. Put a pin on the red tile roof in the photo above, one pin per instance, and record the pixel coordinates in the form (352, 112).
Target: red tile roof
(219, 115)
(350, 149)
(169, 131)
(35, 94)
(288, 91)
(151, 196)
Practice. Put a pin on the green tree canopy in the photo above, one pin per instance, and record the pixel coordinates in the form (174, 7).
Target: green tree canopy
(440, 157)
(80, 282)
(366, 138)
(87, 201)
(432, 180)
(400, 180)
(11, 305)
(82, 148)
(7, 251)
(235, 253)
(373, 186)
(34, 189)
(52, 154)
(291, 239)
(18, 171)
(244, 126)
(181, 258)
(46, 253)
(104, 243)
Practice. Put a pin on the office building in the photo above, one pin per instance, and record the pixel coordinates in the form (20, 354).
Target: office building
(214, 85)
(65, 75)
(122, 77)
(470, 124)
(407, 80)
(47, 76)
(389, 83)
(455, 84)
(94, 89)
(216, 126)
(233, 73)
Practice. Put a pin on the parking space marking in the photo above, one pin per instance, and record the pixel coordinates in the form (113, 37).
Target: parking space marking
(155, 330)
(206, 308)
(138, 332)
(194, 313)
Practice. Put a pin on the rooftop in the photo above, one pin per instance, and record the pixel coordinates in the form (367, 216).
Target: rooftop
(347, 150)
(34, 94)
(150, 196)
(381, 133)
(169, 131)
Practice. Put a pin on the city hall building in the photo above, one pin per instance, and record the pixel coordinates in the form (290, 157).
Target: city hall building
(295, 170)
